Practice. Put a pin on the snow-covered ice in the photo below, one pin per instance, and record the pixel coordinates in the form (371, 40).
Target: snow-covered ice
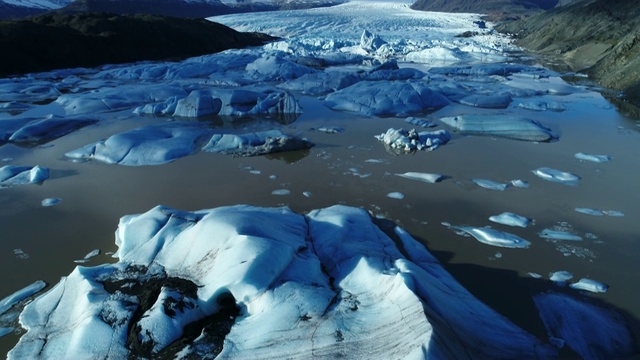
(500, 125)
(424, 177)
(493, 237)
(593, 286)
(326, 284)
(554, 175)
(511, 219)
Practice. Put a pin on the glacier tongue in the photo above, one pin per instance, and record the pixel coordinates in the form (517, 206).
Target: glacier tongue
(328, 284)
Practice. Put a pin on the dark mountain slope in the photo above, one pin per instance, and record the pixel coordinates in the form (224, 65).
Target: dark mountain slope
(54, 41)
(176, 8)
(598, 37)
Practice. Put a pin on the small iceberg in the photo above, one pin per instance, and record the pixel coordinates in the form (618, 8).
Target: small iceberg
(493, 237)
(281, 192)
(511, 219)
(559, 235)
(424, 177)
(50, 202)
(593, 158)
(254, 144)
(560, 277)
(89, 256)
(487, 101)
(558, 176)
(395, 195)
(593, 286)
(614, 213)
(8, 302)
(490, 184)
(520, 183)
(11, 175)
(505, 126)
(400, 141)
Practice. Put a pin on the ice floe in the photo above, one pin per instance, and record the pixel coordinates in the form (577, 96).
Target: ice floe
(593, 158)
(281, 192)
(424, 177)
(560, 277)
(520, 183)
(253, 144)
(11, 300)
(581, 325)
(511, 219)
(490, 184)
(506, 126)
(400, 141)
(590, 285)
(395, 195)
(382, 98)
(50, 202)
(148, 145)
(330, 283)
(539, 105)
(11, 175)
(91, 254)
(500, 101)
(558, 176)
(552, 234)
(493, 237)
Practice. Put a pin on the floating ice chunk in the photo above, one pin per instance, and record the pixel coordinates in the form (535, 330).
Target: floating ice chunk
(511, 219)
(537, 105)
(424, 177)
(330, 129)
(89, 256)
(395, 195)
(11, 175)
(420, 122)
(558, 235)
(557, 176)
(506, 126)
(386, 98)
(560, 277)
(590, 285)
(520, 183)
(407, 141)
(593, 158)
(148, 145)
(307, 193)
(281, 192)
(588, 211)
(197, 104)
(592, 331)
(253, 144)
(614, 213)
(48, 128)
(534, 275)
(494, 237)
(487, 101)
(50, 202)
(28, 291)
(490, 184)
(274, 68)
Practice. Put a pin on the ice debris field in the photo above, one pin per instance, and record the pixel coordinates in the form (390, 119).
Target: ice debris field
(376, 93)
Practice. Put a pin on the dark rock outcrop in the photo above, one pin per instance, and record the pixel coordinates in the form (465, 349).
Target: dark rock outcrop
(598, 37)
(54, 41)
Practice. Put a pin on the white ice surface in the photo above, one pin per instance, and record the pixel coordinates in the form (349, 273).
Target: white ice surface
(424, 177)
(493, 237)
(511, 219)
(552, 234)
(593, 157)
(557, 176)
(407, 141)
(590, 285)
(560, 277)
(327, 284)
(490, 184)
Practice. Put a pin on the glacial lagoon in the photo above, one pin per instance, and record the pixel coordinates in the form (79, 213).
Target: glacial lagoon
(352, 167)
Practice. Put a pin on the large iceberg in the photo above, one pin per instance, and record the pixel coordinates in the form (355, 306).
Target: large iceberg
(252, 144)
(252, 282)
(11, 175)
(507, 126)
(382, 98)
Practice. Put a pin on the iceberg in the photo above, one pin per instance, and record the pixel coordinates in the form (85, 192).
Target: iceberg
(399, 141)
(490, 184)
(589, 211)
(254, 144)
(424, 177)
(269, 68)
(493, 237)
(40, 131)
(511, 219)
(560, 277)
(558, 235)
(593, 158)
(395, 195)
(249, 282)
(197, 104)
(50, 202)
(506, 126)
(8, 302)
(593, 286)
(499, 101)
(148, 145)
(384, 98)
(581, 325)
(371, 42)
(554, 175)
(537, 105)
(12, 175)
